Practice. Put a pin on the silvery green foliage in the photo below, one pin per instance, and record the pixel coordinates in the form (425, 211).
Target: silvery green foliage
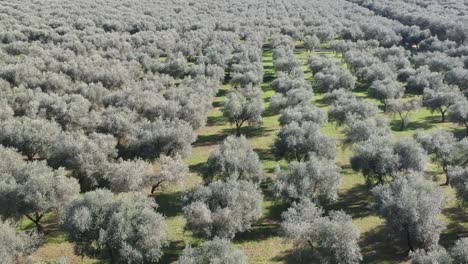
(15, 243)
(344, 110)
(118, 122)
(303, 113)
(319, 63)
(423, 78)
(291, 98)
(459, 181)
(331, 239)
(459, 251)
(361, 130)
(386, 89)
(128, 175)
(411, 206)
(85, 217)
(403, 109)
(285, 82)
(297, 141)
(32, 137)
(440, 99)
(335, 95)
(317, 179)
(135, 232)
(234, 159)
(287, 63)
(375, 159)
(311, 42)
(161, 137)
(32, 189)
(244, 105)
(334, 78)
(86, 156)
(436, 255)
(213, 252)
(445, 149)
(411, 155)
(175, 65)
(223, 209)
(458, 76)
(172, 170)
(459, 112)
(126, 227)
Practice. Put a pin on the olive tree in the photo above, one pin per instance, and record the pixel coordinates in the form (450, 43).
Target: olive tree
(459, 181)
(126, 227)
(244, 105)
(128, 175)
(376, 159)
(32, 137)
(360, 131)
(330, 239)
(459, 112)
(403, 109)
(135, 232)
(316, 179)
(441, 99)
(87, 157)
(14, 244)
(436, 255)
(214, 251)
(33, 189)
(411, 206)
(386, 89)
(459, 251)
(303, 113)
(298, 141)
(149, 140)
(445, 150)
(172, 170)
(234, 159)
(223, 209)
(311, 43)
(344, 110)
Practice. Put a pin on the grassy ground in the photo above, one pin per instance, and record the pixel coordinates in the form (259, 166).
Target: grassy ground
(263, 244)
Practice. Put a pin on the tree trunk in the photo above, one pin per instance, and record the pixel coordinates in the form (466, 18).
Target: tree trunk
(443, 116)
(408, 238)
(380, 179)
(466, 126)
(109, 251)
(155, 186)
(447, 177)
(37, 221)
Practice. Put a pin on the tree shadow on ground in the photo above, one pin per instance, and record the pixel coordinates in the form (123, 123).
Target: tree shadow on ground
(218, 104)
(249, 131)
(209, 140)
(434, 119)
(258, 232)
(172, 252)
(265, 154)
(355, 202)
(296, 256)
(460, 132)
(269, 112)
(269, 225)
(215, 120)
(376, 247)
(170, 204)
(455, 229)
(395, 125)
(199, 168)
